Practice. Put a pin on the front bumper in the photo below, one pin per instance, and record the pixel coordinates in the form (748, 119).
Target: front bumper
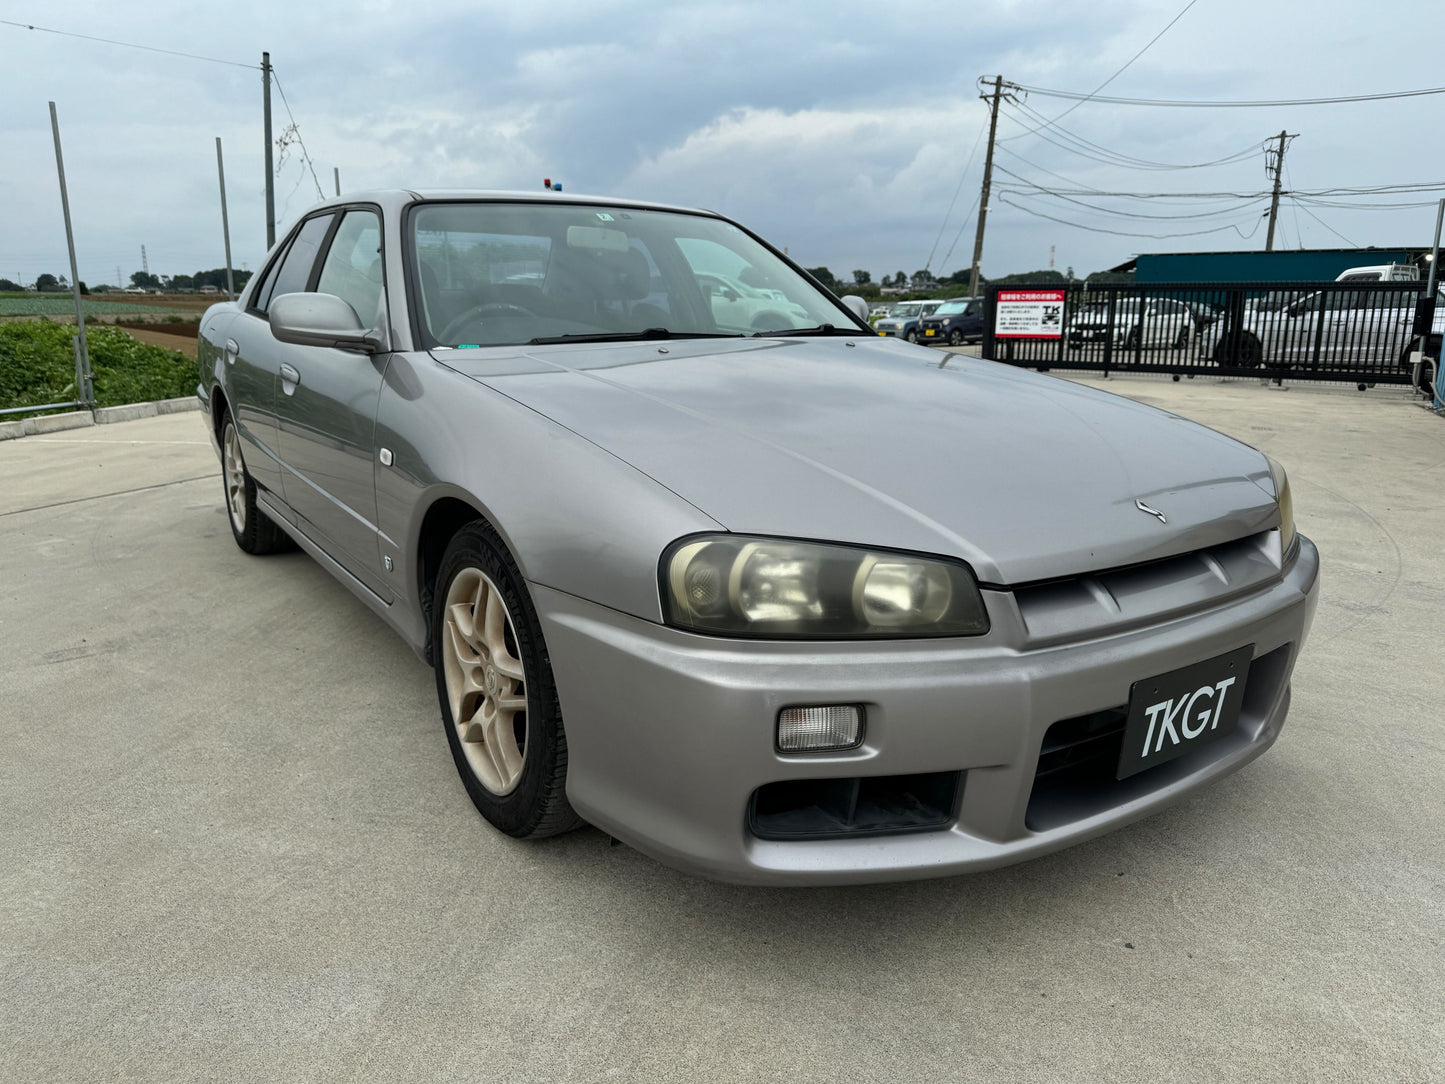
(669, 733)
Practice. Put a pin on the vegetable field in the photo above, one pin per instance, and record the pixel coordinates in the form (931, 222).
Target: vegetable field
(37, 366)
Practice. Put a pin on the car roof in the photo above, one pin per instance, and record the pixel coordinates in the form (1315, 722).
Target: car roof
(396, 198)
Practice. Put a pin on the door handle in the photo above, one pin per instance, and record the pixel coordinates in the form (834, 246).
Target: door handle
(233, 351)
(289, 379)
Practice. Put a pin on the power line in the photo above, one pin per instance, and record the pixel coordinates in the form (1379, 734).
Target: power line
(1217, 213)
(296, 131)
(1325, 224)
(127, 44)
(963, 225)
(962, 177)
(1124, 233)
(1260, 104)
(1106, 82)
(1085, 148)
(1084, 190)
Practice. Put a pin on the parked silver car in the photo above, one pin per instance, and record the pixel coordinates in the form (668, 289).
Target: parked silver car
(1132, 323)
(793, 606)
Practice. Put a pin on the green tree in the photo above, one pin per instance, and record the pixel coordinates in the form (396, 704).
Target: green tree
(145, 280)
(46, 282)
(6, 286)
(823, 275)
(861, 277)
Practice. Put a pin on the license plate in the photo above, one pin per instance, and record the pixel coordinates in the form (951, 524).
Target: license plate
(884, 334)
(1177, 712)
(928, 331)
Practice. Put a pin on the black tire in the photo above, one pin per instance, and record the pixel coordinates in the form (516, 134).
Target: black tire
(254, 531)
(1131, 340)
(1251, 354)
(537, 804)
(911, 335)
(1182, 339)
(955, 337)
(1243, 352)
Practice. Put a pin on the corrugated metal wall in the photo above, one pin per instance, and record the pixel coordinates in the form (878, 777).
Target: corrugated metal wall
(1320, 265)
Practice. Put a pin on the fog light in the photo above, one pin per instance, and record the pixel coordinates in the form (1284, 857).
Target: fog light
(808, 730)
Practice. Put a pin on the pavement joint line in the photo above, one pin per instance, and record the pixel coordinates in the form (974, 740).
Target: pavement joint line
(69, 440)
(103, 496)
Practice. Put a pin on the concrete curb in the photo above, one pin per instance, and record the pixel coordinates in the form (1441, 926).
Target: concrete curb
(81, 419)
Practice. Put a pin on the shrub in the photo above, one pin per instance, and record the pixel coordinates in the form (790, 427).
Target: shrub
(38, 366)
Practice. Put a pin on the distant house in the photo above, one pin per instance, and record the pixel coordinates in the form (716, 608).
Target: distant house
(209, 290)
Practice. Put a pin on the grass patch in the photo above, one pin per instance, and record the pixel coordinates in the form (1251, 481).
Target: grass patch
(37, 366)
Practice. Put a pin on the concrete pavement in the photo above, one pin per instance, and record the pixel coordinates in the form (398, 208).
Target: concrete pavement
(233, 845)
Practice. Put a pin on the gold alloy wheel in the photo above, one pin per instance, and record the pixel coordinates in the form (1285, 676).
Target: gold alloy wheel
(235, 471)
(486, 687)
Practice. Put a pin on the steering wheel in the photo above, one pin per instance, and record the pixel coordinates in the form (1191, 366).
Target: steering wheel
(491, 307)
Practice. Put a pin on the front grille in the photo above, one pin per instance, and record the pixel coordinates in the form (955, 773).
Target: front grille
(861, 806)
(1100, 603)
(1079, 757)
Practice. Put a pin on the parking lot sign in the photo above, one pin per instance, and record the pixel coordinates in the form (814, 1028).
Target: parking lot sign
(1029, 314)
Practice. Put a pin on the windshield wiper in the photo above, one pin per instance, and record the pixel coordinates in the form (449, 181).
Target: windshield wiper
(821, 329)
(645, 335)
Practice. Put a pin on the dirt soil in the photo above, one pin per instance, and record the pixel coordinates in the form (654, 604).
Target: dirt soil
(185, 341)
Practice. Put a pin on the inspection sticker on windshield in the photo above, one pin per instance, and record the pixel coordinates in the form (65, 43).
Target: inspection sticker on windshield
(1029, 314)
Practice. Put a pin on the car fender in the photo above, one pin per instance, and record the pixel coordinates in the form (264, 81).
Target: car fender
(575, 517)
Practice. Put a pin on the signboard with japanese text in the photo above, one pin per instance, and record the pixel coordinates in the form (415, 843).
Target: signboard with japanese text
(1029, 314)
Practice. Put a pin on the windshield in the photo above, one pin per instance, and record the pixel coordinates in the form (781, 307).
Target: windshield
(513, 273)
(907, 309)
(950, 308)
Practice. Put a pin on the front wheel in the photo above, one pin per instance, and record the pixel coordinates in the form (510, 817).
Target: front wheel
(911, 335)
(1182, 339)
(955, 337)
(498, 699)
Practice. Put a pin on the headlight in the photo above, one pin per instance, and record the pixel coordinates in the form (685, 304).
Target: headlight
(735, 585)
(1286, 505)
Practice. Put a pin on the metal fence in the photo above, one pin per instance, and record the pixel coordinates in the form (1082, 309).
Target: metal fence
(1360, 332)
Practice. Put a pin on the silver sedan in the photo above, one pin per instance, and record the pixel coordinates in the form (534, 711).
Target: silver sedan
(792, 604)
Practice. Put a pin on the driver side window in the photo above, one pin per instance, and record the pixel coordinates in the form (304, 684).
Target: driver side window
(352, 270)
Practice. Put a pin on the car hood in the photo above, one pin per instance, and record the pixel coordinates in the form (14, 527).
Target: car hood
(1025, 476)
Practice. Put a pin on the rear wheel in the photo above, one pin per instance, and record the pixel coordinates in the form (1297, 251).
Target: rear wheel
(498, 699)
(253, 530)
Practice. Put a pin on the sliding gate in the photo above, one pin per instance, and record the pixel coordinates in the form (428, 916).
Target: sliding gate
(1360, 332)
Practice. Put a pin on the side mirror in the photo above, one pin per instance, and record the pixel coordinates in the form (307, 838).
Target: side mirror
(856, 305)
(321, 320)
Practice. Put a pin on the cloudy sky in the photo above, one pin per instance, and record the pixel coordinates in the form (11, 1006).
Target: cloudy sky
(840, 130)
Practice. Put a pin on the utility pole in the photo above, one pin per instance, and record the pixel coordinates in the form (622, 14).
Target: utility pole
(336, 176)
(144, 263)
(266, 125)
(225, 223)
(998, 85)
(1278, 168)
(83, 390)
